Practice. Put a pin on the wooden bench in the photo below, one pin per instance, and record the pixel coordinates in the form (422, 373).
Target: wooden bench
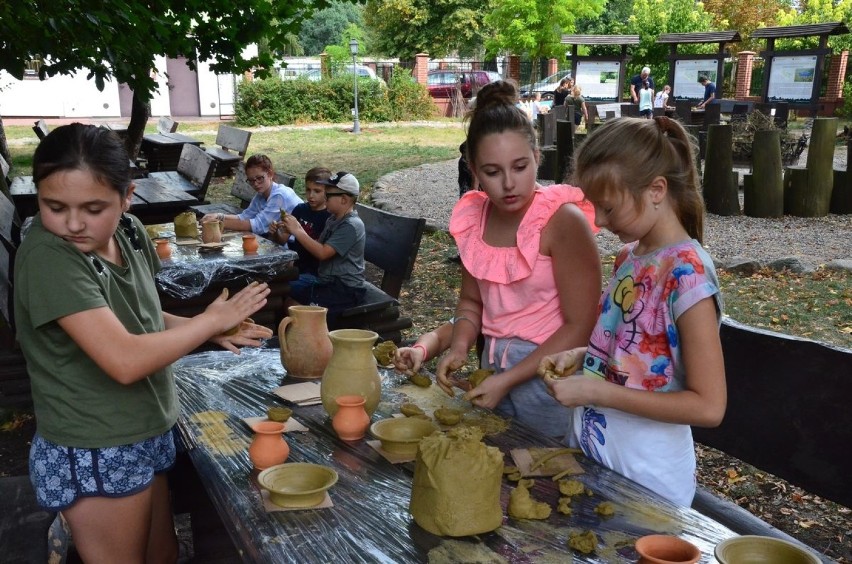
(41, 129)
(392, 245)
(166, 125)
(194, 172)
(788, 414)
(229, 139)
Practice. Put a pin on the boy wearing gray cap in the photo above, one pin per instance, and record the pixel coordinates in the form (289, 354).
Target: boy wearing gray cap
(339, 283)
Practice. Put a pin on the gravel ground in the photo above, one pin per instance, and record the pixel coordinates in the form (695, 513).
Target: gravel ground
(431, 190)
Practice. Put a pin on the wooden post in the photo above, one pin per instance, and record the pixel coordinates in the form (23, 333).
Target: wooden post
(841, 194)
(814, 198)
(765, 196)
(720, 191)
(564, 148)
(548, 164)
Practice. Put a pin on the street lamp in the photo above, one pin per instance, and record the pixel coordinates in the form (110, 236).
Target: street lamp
(353, 48)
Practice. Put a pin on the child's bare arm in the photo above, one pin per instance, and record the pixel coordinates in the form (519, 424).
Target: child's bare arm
(318, 250)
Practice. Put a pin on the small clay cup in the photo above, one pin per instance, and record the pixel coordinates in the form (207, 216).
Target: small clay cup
(164, 251)
(666, 549)
(250, 243)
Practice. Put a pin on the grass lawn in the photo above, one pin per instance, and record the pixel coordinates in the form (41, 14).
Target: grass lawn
(817, 306)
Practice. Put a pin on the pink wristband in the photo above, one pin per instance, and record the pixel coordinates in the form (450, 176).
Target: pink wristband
(421, 347)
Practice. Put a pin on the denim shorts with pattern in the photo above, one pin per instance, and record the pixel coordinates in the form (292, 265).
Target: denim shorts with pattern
(60, 475)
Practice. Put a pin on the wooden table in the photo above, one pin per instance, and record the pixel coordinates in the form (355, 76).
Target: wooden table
(190, 280)
(155, 202)
(163, 150)
(369, 521)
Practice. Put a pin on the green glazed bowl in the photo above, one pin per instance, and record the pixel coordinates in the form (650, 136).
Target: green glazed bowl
(401, 435)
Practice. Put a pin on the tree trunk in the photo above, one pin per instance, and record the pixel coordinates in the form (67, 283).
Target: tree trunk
(136, 128)
(4, 145)
(795, 187)
(764, 196)
(815, 200)
(720, 190)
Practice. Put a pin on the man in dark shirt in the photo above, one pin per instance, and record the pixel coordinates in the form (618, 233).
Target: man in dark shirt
(637, 81)
(709, 91)
(562, 91)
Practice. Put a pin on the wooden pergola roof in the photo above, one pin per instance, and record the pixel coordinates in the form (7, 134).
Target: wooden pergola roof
(830, 28)
(600, 39)
(702, 37)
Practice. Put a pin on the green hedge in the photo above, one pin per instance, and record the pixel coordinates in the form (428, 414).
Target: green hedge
(273, 101)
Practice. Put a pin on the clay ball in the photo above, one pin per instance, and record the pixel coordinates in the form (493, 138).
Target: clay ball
(448, 416)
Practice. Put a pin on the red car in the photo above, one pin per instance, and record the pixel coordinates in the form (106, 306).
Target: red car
(443, 83)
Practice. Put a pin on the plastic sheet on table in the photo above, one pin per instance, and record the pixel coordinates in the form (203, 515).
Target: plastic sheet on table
(370, 521)
(188, 273)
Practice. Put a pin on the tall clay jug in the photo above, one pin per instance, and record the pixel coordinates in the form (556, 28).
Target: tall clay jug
(352, 370)
(305, 346)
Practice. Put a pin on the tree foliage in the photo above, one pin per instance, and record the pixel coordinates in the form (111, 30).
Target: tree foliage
(403, 28)
(814, 12)
(326, 26)
(535, 28)
(651, 18)
(120, 39)
(745, 16)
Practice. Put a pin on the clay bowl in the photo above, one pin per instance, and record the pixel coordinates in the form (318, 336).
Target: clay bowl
(297, 484)
(401, 435)
(666, 549)
(754, 549)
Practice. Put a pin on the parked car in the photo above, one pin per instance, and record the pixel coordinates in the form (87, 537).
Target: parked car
(546, 85)
(363, 72)
(443, 83)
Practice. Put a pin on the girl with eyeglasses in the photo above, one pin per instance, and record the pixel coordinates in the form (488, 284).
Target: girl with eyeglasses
(269, 199)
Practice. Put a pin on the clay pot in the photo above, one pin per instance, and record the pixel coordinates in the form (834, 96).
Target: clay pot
(305, 345)
(250, 243)
(351, 370)
(268, 447)
(351, 421)
(164, 251)
(666, 549)
(211, 231)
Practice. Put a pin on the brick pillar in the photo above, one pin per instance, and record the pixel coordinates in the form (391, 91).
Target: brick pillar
(745, 61)
(513, 72)
(421, 68)
(552, 66)
(325, 68)
(836, 74)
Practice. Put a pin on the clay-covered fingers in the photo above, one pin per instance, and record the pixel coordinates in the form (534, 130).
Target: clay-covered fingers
(560, 364)
(407, 360)
(449, 363)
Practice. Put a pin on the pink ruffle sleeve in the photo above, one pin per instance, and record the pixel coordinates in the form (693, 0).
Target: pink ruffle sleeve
(504, 265)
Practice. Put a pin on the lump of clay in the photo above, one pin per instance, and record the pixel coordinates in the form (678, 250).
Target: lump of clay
(384, 353)
(585, 542)
(564, 506)
(410, 409)
(444, 500)
(186, 225)
(478, 376)
(280, 414)
(523, 506)
(421, 380)
(605, 509)
(571, 487)
(448, 416)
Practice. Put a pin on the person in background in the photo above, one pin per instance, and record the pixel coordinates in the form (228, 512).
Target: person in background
(581, 112)
(266, 205)
(653, 366)
(339, 283)
(661, 100)
(526, 290)
(99, 350)
(709, 91)
(646, 96)
(311, 215)
(637, 81)
(562, 92)
(536, 107)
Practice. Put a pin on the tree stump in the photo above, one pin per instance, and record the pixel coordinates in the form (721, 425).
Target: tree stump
(564, 148)
(841, 194)
(763, 193)
(721, 195)
(814, 200)
(547, 167)
(795, 186)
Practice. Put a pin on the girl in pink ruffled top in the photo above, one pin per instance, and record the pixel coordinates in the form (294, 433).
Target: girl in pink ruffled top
(531, 274)
(653, 366)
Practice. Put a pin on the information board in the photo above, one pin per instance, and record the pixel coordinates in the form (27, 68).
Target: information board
(687, 71)
(599, 80)
(792, 79)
